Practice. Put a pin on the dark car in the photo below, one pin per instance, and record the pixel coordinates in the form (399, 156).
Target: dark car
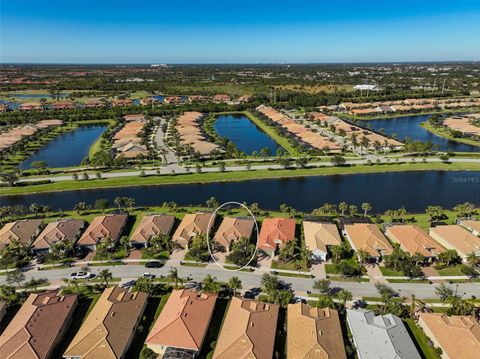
(153, 265)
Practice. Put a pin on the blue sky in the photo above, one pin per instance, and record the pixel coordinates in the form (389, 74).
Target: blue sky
(231, 31)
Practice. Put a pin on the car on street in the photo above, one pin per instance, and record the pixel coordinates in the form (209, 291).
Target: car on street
(148, 275)
(81, 275)
(153, 264)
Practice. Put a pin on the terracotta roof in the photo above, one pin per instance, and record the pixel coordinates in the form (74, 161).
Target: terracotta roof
(314, 333)
(368, 237)
(183, 322)
(320, 235)
(107, 331)
(232, 229)
(102, 226)
(192, 225)
(457, 336)
(248, 331)
(276, 231)
(413, 240)
(458, 238)
(21, 231)
(154, 225)
(471, 225)
(58, 231)
(37, 327)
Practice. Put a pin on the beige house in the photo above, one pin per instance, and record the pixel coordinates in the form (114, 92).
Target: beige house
(232, 229)
(192, 225)
(38, 326)
(314, 333)
(471, 225)
(320, 236)
(413, 240)
(182, 325)
(150, 226)
(111, 225)
(108, 330)
(23, 232)
(457, 336)
(458, 238)
(59, 231)
(369, 238)
(248, 330)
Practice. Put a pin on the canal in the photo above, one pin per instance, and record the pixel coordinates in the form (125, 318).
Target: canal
(244, 133)
(414, 190)
(68, 149)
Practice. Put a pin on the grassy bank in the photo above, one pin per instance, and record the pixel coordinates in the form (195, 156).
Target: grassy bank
(405, 114)
(236, 176)
(445, 133)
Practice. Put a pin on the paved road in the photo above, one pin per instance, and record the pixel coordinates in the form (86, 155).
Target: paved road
(180, 169)
(252, 280)
(162, 148)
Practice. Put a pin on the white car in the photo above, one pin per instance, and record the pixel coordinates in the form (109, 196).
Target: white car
(148, 275)
(81, 275)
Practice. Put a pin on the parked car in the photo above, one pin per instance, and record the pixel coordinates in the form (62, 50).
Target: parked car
(81, 275)
(153, 265)
(148, 275)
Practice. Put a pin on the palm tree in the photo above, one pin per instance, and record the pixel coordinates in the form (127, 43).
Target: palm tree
(71, 282)
(366, 207)
(210, 285)
(342, 207)
(105, 275)
(235, 284)
(173, 274)
(362, 255)
(344, 295)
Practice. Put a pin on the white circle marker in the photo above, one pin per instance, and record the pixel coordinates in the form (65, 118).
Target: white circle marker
(208, 236)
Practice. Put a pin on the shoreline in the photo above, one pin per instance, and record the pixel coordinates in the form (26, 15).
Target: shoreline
(440, 133)
(234, 176)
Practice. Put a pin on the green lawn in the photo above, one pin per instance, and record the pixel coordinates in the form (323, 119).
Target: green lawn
(331, 268)
(235, 176)
(451, 271)
(286, 266)
(390, 272)
(420, 340)
(414, 281)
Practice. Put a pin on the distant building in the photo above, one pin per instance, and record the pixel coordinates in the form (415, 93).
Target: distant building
(38, 326)
(248, 330)
(366, 87)
(314, 333)
(182, 325)
(381, 336)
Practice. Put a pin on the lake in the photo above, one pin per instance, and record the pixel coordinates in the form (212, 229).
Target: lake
(68, 149)
(409, 126)
(244, 133)
(414, 190)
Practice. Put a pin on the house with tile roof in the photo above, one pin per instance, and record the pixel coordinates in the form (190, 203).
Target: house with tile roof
(110, 225)
(275, 233)
(232, 229)
(68, 229)
(369, 238)
(457, 336)
(319, 237)
(192, 225)
(413, 239)
(182, 325)
(314, 333)
(381, 336)
(108, 330)
(150, 226)
(457, 238)
(38, 326)
(23, 231)
(471, 224)
(248, 330)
